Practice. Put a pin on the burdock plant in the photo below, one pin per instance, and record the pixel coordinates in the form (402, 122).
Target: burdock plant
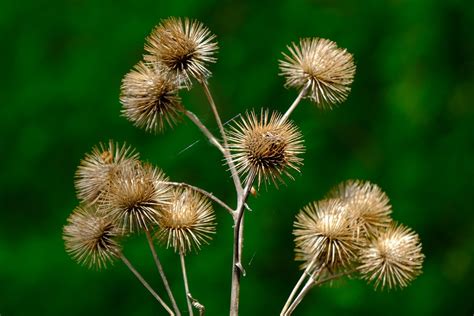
(350, 232)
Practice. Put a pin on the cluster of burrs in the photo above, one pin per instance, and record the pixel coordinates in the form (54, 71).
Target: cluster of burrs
(350, 231)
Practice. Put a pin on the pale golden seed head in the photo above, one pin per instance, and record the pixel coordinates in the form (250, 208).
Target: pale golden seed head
(135, 199)
(99, 168)
(183, 47)
(150, 98)
(323, 234)
(369, 207)
(91, 239)
(321, 65)
(393, 259)
(266, 146)
(188, 222)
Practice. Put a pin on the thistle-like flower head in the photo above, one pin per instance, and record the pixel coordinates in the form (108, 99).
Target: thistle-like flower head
(369, 207)
(135, 199)
(91, 239)
(184, 47)
(393, 259)
(187, 222)
(99, 168)
(150, 98)
(323, 234)
(265, 146)
(318, 63)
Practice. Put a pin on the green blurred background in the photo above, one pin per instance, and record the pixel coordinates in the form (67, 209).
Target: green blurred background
(407, 126)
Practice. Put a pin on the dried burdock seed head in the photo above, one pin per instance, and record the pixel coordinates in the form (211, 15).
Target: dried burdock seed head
(98, 169)
(369, 207)
(149, 98)
(265, 146)
(188, 222)
(91, 239)
(184, 47)
(136, 198)
(393, 259)
(318, 63)
(322, 233)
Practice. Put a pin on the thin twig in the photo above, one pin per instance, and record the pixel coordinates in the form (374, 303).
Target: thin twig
(204, 192)
(145, 284)
(212, 139)
(297, 286)
(310, 284)
(186, 285)
(296, 102)
(237, 268)
(228, 157)
(162, 273)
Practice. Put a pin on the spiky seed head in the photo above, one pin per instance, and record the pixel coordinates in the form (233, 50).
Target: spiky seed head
(393, 259)
(188, 222)
(91, 239)
(99, 168)
(266, 146)
(321, 65)
(150, 98)
(136, 198)
(369, 207)
(184, 47)
(322, 233)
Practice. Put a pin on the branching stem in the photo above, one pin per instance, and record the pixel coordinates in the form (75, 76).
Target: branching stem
(162, 273)
(145, 284)
(186, 285)
(228, 158)
(212, 139)
(237, 268)
(296, 102)
(204, 192)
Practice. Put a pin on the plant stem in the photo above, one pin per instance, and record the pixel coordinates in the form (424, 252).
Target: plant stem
(296, 102)
(186, 285)
(310, 284)
(208, 194)
(237, 268)
(193, 117)
(297, 286)
(162, 273)
(145, 284)
(228, 158)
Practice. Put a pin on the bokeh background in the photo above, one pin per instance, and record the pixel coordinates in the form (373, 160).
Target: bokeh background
(408, 126)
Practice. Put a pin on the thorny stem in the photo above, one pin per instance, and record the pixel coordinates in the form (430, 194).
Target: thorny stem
(228, 158)
(297, 286)
(237, 268)
(204, 192)
(310, 284)
(162, 273)
(296, 102)
(145, 284)
(186, 285)
(212, 139)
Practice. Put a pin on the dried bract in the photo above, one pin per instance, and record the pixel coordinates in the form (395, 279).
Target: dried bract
(149, 98)
(136, 198)
(188, 222)
(91, 239)
(99, 168)
(393, 259)
(265, 146)
(369, 207)
(184, 47)
(322, 233)
(318, 63)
